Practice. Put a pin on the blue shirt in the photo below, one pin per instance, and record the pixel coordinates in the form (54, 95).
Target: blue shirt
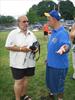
(58, 38)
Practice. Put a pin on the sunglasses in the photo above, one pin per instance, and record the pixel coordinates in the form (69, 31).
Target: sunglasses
(25, 21)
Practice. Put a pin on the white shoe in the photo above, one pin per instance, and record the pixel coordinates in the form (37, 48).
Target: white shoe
(73, 75)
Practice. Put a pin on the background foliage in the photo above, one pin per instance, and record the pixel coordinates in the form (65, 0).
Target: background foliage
(36, 12)
(66, 9)
(37, 86)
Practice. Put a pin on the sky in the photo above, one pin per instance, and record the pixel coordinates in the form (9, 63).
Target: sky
(18, 7)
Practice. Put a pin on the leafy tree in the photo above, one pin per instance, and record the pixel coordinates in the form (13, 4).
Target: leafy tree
(2, 19)
(36, 12)
(10, 19)
(74, 13)
(67, 9)
(32, 14)
(44, 6)
(7, 20)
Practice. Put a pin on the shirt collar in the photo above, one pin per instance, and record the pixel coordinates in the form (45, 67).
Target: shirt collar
(56, 30)
(19, 30)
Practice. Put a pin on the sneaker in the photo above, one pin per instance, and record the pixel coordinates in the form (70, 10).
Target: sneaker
(72, 78)
(27, 98)
(51, 96)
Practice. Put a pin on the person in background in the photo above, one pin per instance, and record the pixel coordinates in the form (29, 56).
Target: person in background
(57, 56)
(72, 35)
(22, 60)
(46, 30)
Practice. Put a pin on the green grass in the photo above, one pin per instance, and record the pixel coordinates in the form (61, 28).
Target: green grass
(37, 86)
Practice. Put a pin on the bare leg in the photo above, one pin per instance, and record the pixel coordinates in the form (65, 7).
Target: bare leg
(60, 96)
(25, 85)
(18, 88)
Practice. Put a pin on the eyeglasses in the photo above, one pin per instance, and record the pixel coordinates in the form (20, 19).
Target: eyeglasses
(25, 21)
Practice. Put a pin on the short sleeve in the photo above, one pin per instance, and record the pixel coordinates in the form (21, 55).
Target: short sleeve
(65, 38)
(10, 40)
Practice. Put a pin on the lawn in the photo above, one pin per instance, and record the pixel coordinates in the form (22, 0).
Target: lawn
(37, 86)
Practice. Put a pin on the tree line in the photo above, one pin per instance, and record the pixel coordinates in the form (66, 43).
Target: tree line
(36, 12)
(7, 20)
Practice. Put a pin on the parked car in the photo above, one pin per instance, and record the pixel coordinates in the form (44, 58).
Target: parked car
(37, 26)
(68, 24)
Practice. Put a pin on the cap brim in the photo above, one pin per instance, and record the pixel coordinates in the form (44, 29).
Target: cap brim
(47, 14)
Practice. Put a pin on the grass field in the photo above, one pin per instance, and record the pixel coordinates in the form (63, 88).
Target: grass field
(37, 86)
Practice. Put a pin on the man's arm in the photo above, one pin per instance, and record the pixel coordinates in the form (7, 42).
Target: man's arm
(18, 49)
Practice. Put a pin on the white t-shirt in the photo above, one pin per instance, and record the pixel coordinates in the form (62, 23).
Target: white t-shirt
(21, 60)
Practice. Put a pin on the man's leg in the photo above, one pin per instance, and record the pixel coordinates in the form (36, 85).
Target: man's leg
(25, 86)
(60, 96)
(19, 87)
(51, 96)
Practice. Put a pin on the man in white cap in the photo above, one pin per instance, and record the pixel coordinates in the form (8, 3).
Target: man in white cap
(57, 56)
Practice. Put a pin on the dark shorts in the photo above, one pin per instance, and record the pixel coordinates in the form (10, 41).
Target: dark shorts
(45, 33)
(20, 73)
(55, 79)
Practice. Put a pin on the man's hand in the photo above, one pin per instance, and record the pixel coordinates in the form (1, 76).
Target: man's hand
(24, 49)
(62, 49)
